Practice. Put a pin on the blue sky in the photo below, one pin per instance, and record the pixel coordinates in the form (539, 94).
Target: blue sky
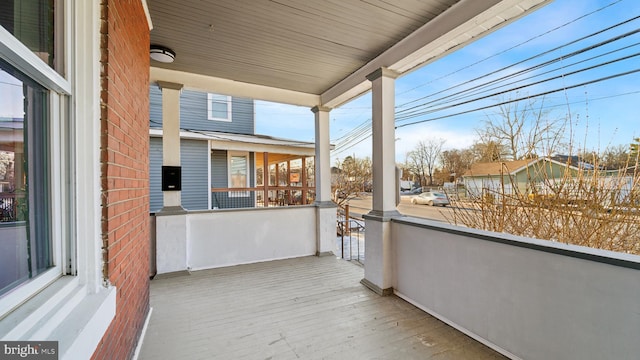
(601, 114)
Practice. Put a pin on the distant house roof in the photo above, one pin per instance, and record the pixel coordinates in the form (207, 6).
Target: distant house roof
(497, 168)
(508, 167)
(574, 160)
(242, 142)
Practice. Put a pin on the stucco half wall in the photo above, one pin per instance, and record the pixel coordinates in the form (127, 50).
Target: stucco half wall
(218, 238)
(529, 299)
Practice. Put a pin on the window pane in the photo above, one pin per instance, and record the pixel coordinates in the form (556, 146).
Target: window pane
(238, 171)
(272, 175)
(295, 174)
(311, 170)
(31, 22)
(219, 107)
(260, 176)
(25, 241)
(282, 174)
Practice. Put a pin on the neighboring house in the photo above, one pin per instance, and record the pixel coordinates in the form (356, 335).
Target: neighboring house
(512, 177)
(220, 151)
(544, 176)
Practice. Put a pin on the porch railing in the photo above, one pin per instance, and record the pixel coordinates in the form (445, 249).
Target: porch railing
(9, 206)
(350, 236)
(234, 198)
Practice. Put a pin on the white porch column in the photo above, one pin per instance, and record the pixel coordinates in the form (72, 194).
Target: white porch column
(378, 275)
(326, 209)
(323, 157)
(171, 136)
(171, 221)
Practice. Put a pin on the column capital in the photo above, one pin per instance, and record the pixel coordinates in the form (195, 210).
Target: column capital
(319, 108)
(383, 71)
(169, 85)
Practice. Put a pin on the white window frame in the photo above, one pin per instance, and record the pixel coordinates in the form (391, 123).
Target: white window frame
(230, 155)
(24, 60)
(210, 98)
(41, 308)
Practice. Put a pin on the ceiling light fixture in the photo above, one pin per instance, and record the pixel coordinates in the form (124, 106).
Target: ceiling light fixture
(162, 54)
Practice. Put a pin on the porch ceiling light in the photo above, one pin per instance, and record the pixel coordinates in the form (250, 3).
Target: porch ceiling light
(162, 54)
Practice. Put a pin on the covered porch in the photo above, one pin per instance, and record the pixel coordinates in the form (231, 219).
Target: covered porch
(522, 297)
(318, 56)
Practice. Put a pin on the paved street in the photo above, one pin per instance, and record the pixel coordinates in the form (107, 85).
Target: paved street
(362, 205)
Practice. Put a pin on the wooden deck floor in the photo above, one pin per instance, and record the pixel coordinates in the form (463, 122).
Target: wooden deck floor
(305, 308)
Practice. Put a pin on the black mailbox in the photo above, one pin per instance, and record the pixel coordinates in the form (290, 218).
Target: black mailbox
(171, 178)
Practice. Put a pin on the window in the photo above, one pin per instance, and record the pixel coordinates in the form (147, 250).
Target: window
(219, 107)
(34, 209)
(31, 22)
(24, 167)
(238, 173)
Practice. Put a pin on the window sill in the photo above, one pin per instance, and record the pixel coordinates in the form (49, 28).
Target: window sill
(66, 312)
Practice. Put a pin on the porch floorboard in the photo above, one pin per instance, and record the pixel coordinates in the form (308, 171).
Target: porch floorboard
(304, 308)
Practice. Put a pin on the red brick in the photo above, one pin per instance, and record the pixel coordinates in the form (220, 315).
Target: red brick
(125, 179)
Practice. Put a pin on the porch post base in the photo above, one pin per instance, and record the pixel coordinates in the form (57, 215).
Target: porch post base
(376, 289)
(172, 274)
(172, 210)
(324, 253)
(378, 266)
(171, 241)
(326, 219)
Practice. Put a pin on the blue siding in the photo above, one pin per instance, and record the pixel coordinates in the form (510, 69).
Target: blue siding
(219, 170)
(155, 174)
(193, 159)
(193, 113)
(155, 106)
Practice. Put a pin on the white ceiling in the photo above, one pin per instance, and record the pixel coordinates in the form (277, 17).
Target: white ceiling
(310, 52)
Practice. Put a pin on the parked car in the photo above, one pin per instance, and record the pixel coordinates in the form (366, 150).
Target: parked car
(431, 198)
(416, 191)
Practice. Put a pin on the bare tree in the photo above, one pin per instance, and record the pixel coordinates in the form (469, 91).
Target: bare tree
(616, 157)
(423, 160)
(634, 151)
(350, 177)
(490, 151)
(455, 162)
(524, 129)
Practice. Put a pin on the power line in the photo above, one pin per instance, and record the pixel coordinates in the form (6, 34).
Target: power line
(450, 97)
(530, 69)
(513, 47)
(366, 136)
(412, 115)
(529, 58)
(453, 96)
(359, 132)
(588, 48)
(358, 135)
(524, 98)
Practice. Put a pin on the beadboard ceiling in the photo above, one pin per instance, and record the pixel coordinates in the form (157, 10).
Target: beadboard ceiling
(323, 48)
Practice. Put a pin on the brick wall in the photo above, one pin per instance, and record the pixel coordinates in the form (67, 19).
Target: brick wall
(125, 170)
